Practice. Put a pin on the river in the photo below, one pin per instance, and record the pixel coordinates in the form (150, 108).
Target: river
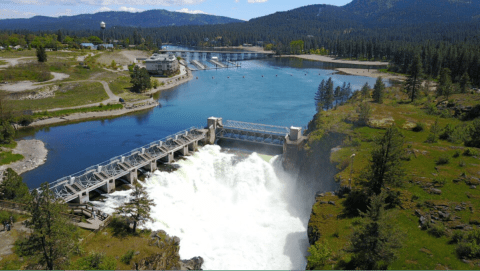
(236, 215)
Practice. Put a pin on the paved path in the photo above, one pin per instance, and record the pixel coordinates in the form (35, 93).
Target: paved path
(7, 238)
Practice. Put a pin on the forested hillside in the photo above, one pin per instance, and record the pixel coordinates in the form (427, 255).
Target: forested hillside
(150, 18)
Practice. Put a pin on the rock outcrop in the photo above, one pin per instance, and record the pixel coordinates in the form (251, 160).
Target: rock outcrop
(169, 258)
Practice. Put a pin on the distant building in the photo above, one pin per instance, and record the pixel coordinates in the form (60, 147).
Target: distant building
(163, 64)
(2, 48)
(91, 45)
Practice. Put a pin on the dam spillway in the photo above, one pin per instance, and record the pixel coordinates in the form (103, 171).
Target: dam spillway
(76, 188)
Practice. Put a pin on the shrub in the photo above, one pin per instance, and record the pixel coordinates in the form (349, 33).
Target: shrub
(470, 152)
(439, 181)
(357, 200)
(432, 109)
(462, 163)
(456, 154)
(419, 127)
(319, 254)
(438, 230)
(443, 160)
(96, 261)
(127, 257)
(469, 246)
(457, 237)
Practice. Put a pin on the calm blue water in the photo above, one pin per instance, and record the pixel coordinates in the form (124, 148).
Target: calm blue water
(283, 96)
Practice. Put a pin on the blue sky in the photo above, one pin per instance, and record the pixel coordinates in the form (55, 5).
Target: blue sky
(240, 9)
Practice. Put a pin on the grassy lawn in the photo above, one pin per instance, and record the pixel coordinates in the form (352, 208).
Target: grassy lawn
(2, 62)
(69, 94)
(121, 87)
(14, 53)
(8, 157)
(32, 71)
(65, 112)
(421, 250)
(9, 145)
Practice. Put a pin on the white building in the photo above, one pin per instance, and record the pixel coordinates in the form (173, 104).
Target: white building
(162, 64)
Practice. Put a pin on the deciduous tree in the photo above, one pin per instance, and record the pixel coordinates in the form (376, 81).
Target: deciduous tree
(140, 79)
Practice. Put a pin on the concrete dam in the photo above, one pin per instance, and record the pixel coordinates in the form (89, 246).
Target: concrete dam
(102, 177)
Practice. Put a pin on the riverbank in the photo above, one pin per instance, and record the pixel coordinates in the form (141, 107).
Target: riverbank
(129, 108)
(168, 83)
(34, 152)
(330, 59)
(374, 73)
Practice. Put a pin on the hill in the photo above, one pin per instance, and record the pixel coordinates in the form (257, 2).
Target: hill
(433, 206)
(146, 19)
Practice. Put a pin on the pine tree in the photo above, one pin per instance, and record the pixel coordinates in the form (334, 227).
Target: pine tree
(464, 82)
(138, 209)
(474, 133)
(329, 97)
(413, 82)
(445, 87)
(337, 95)
(365, 91)
(53, 236)
(378, 90)
(41, 54)
(385, 164)
(320, 95)
(375, 243)
(434, 133)
(346, 92)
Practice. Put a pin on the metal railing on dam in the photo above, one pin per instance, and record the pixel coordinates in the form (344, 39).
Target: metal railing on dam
(76, 187)
(253, 132)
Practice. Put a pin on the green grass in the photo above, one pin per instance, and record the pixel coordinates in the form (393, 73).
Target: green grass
(65, 112)
(14, 53)
(8, 157)
(3, 62)
(121, 87)
(9, 145)
(32, 71)
(420, 249)
(69, 94)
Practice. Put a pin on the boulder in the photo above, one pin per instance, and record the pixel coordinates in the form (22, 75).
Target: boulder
(194, 263)
(436, 191)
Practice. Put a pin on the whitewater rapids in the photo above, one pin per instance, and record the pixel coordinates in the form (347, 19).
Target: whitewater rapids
(235, 214)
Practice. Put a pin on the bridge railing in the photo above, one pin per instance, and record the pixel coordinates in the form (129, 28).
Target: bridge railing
(65, 180)
(261, 128)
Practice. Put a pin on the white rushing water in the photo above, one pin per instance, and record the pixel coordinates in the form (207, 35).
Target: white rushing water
(244, 214)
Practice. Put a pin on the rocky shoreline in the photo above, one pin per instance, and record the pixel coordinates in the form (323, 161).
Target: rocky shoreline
(34, 152)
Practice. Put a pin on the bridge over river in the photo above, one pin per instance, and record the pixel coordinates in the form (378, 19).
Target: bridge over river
(221, 55)
(102, 177)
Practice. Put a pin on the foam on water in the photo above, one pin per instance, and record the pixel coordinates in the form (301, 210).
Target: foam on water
(235, 214)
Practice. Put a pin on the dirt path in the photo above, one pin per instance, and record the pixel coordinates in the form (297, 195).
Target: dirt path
(82, 58)
(34, 152)
(7, 238)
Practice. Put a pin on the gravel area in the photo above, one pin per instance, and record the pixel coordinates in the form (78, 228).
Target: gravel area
(29, 85)
(34, 152)
(334, 60)
(371, 73)
(7, 239)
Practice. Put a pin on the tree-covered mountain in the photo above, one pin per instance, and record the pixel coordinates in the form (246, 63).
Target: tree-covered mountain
(146, 19)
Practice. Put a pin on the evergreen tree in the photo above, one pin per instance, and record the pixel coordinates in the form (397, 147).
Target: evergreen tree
(140, 79)
(329, 95)
(6, 131)
(474, 133)
(337, 95)
(320, 96)
(445, 87)
(346, 92)
(375, 243)
(385, 165)
(53, 236)
(12, 188)
(59, 36)
(365, 91)
(413, 82)
(41, 54)
(464, 83)
(378, 90)
(434, 133)
(138, 209)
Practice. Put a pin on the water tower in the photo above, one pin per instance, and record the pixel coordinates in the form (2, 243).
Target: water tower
(102, 27)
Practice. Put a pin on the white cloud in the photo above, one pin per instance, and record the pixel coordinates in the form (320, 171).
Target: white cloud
(130, 9)
(103, 9)
(257, 1)
(13, 14)
(110, 2)
(186, 10)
